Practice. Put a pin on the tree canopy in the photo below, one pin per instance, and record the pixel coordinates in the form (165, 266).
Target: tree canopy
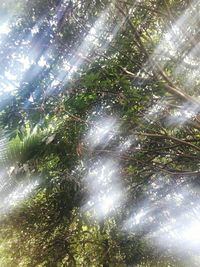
(100, 133)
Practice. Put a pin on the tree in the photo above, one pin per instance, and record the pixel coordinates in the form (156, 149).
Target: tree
(101, 117)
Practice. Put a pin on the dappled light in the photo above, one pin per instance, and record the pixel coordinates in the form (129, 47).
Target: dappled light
(173, 216)
(100, 143)
(104, 187)
(18, 195)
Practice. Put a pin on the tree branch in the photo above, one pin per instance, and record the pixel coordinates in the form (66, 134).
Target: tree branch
(170, 138)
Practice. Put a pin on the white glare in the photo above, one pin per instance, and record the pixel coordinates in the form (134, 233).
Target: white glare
(10, 76)
(25, 61)
(102, 132)
(192, 232)
(4, 28)
(138, 217)
(42, 62)
(104, 187)
(171, 219)
(107, 204)
(20, 193)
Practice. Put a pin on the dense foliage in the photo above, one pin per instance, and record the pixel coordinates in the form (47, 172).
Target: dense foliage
(99, 117)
